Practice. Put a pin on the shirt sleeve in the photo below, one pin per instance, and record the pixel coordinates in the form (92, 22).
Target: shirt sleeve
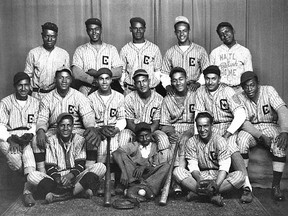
(248, 62)
(116, 60)
(165, 115)
(78, 59)
(86, 112)
(44, 114)
(29, 67)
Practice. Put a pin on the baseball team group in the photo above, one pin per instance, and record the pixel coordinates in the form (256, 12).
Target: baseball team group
(191, 112)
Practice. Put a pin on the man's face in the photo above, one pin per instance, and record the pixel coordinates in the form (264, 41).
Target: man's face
(226, 35)
(104, 81)
(138, 31)
(142, 84)
(144, 138)
(212, 81)
(179, 82)
(63, 81)
(22, 88)
(251, 88)
(94, 32)
(182, 33)
(204, 128)
(65, 128)
(49, 39)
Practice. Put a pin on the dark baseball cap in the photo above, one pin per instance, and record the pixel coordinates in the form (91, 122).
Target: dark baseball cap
(212, 69)
(142, 126)
(138, 19)
(64, 115)
(248, 75)
(20, 76)
(95, 21)
(50, 26)
(140, 72)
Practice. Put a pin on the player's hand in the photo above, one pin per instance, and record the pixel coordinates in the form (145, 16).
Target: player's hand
(108, 131)
(138, 172)
(282, 141)
(92, 136)
(173, 138)
(41, 139)
(92, 72)
(57, 179)
(66, 180)
(170, 90)
(115, 131)
(226, 135)
(14, 147)
(124, 179)
(193, 86)
(265, 140)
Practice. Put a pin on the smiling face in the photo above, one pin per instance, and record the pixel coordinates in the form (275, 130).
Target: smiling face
(204, 127)
(22, 89)
(226, 35)
(65, 128)
(63, 81)
(94, 32)
(182, 33)
(104, 81)
(251, 88)
(179, 82)
(49, 38)
(138, 31)
(212, 81)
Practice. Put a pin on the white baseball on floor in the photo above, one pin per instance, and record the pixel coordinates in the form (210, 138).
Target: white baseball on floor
(142, 192)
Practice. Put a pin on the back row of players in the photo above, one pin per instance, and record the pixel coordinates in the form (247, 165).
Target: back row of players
(169, 120)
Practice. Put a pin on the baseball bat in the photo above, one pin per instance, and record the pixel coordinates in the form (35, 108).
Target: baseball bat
(107, 188)
(166, 187)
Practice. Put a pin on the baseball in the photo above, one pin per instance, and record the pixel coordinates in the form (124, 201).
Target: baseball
(142, 192)
(125, 192)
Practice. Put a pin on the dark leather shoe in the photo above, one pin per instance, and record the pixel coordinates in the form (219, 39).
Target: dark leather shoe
(246, 196)
(28, 200)
(277, 193)
(217, 200)
(100, 191)
(52, 197)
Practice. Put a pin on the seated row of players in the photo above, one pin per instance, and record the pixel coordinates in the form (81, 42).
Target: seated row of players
(42, 61)
(173, 118)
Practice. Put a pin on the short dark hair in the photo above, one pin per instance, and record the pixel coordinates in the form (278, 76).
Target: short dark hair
(63, 70)
(204, 115)
(177, 70)
(224, 24)
(175, 25)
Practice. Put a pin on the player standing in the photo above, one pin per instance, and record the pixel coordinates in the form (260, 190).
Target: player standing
(18, 117)
(44, 60)
(186, 54)
(231, 58)
(140, 53)
(264, 107)
(92, 56)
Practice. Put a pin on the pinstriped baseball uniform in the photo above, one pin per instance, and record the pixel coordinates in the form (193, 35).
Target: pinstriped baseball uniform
(232, 62)
(107, 114)
(87, 57)
(64, 156)
(41, 66)
(137, 110)
(52, 105)
(18, 120)
(194, 60)
(221, 105)
(264, 117)
(147, 57)
(208, 156)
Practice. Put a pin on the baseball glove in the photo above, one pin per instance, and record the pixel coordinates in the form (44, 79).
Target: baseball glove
(207, 188)
(126, 203)
(132, 192)
(23, 140)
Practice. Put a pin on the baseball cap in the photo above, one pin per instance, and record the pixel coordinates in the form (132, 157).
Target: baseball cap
(142, 126)
(212, 69)
(247, 76)
(63, 69)
(140, 72)
(177, 69)
(64, 115)
(20, 76)
(95, 21)
(138, 19)
(181, 19)
(103, 71)
(50, 26)
(224, 24)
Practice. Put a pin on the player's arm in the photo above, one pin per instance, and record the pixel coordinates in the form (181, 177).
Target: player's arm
(81, 75)
(117, 72)
(4, 134)
(155, 125)
(29, 68)
(117, 156)
(130, 124)
(283, 122)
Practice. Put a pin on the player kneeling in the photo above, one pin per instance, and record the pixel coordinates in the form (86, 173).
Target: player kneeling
(65, 162)
(209, 162)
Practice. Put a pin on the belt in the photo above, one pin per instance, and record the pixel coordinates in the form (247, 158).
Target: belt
(205, 169)
(19, 128)
(42, 90)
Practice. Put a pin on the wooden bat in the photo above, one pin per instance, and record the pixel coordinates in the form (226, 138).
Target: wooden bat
(166, 187)
(107, 188)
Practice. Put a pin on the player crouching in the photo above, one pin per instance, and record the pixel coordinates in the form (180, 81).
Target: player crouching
(208, 164)
(65, 162)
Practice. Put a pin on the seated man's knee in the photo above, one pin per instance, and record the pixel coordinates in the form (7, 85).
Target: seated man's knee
(90, 181)
(179, 173)
(98, 168)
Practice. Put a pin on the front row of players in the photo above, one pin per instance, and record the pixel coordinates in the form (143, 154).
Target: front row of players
(70, 143)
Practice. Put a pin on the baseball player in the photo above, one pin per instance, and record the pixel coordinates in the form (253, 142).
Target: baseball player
(109, 109)
(92, 56)
(229, 115)
(44, 60)
(62, 99)
(177, 114)
(143, 105)
(264, 106)
(186, 54)
(141, 161)
(140, 53)
(208, 159)
(231, 58)
(18, 120)
(65, 162)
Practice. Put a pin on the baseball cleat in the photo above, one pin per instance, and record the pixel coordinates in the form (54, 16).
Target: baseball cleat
(277, 193)
(28, 200)
(52, 197)
(217, 200)
(246, 196)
